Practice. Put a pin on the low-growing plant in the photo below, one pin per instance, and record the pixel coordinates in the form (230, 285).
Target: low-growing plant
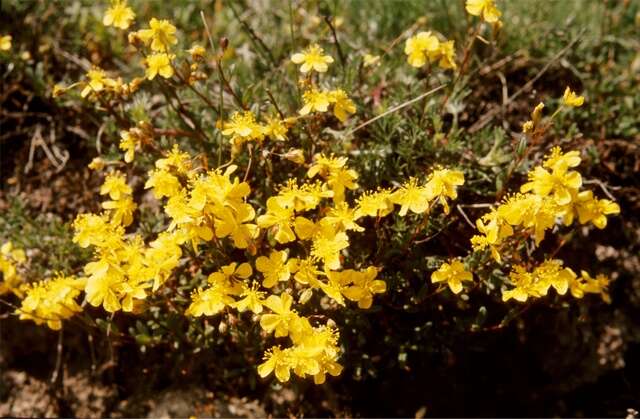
(262, 215)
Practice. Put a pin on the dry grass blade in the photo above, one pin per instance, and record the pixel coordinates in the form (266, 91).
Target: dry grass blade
(396, 108)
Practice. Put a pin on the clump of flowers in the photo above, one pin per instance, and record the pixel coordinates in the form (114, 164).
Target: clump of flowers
(552, 197)
(51, 301)
(426, 47)
(551, 274)
(484, 9)
(553, 193)
(316, 99)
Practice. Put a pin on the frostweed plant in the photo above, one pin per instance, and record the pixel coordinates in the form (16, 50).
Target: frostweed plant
(280, 251)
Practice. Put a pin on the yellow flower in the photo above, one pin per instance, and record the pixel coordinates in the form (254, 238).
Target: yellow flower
(129, 142)
(51, 301)
(302, 198)
(163, 183)
(494, 229)
(161, 35)
(550, 273)
(231, 273)
(91, 230)
(570, 98)
(327, 245)
(447, 55)
(159, 63)
(363, 286)
(275, 268)
(208, 302)
(119, 15)
(115, 184)
(103, 285)
(335, 285)
(374, 204)
(594, 210)
(420, 48)
(524, 285)
(10, 258)
(324, 165)
(342, 105)
(279, 216)
(486, 9)
(97, 81)
(597, 285)
(558, 160)
(341, 179)
(5, 42)
(162, 256)
(342, 218)
(443, 184)
(122, 210)
(312, 58)
(305, 228)
(252, 299)
(282, 319)
(412, 197)
(536, 114)
(276, 128)
(197, 52)
(530, 211)
(7, 250)
(236, 225)
(307, 272)
(369, 60)
(453, 274)
(315, 101)
(176, 159)
(243, 125)
(276, 360)
(562, 183)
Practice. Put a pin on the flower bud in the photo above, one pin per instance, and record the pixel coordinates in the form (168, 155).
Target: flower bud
(224, 43)
(295, 155)
(97, 164)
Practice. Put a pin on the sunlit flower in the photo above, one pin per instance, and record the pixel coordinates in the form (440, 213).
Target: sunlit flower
(453, 274)
(570, 98)
(119, 15)
(159, 63)
(485, 9)
(161, 35)
(5, 42)
(312, 58)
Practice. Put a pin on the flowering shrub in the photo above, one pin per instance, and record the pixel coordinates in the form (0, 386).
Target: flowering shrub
(264, 215)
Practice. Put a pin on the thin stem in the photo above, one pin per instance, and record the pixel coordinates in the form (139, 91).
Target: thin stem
(343, 60)
(274, 103)
(193, 89)
(56, 369)
(246, 173)
(253, 36)
(226, 83)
